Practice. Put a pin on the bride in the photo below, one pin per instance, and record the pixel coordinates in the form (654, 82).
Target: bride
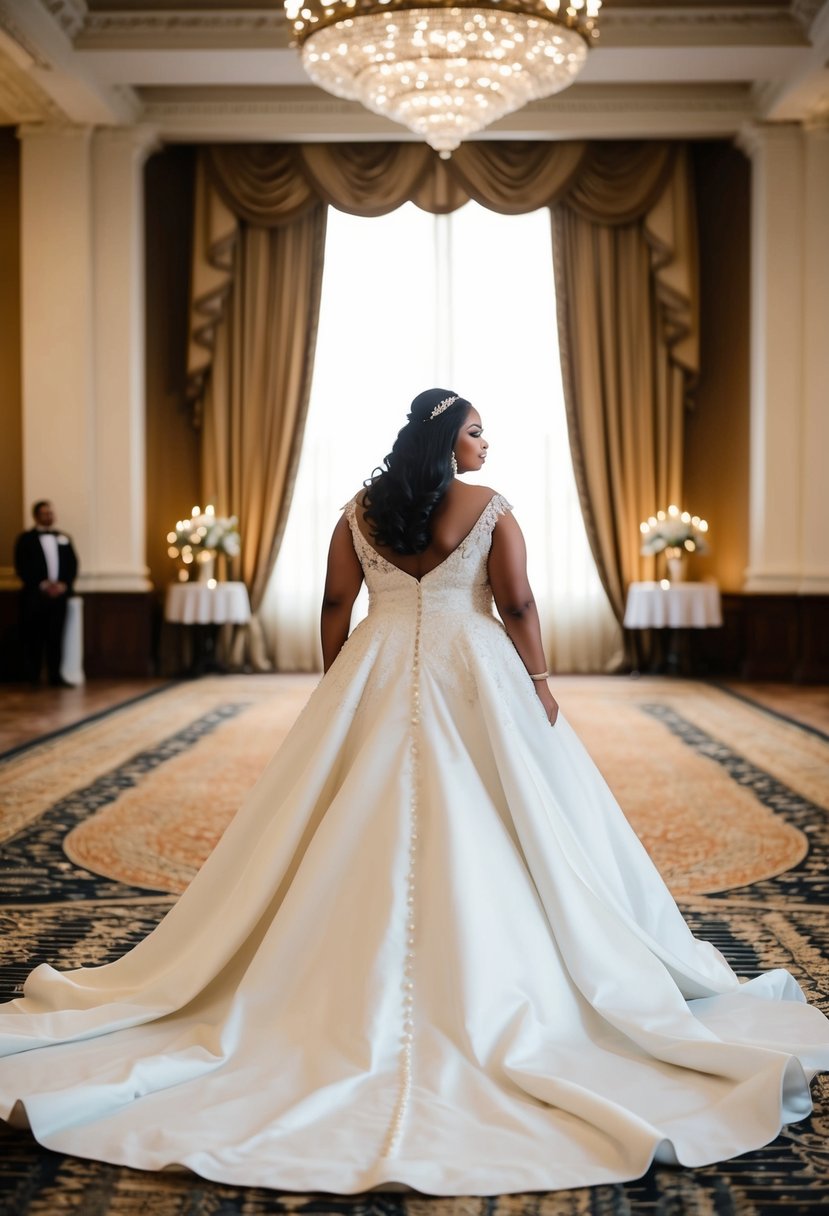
(429, 951)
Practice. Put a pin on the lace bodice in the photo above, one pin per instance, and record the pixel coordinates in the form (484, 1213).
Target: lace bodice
(458, 584)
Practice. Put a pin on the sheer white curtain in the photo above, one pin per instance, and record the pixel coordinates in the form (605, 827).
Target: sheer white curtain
(464, 301)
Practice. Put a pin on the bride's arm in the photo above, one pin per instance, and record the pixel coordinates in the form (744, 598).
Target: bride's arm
(516, 604)
(343, 580)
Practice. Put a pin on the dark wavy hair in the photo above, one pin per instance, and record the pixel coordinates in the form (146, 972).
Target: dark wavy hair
(401, 496)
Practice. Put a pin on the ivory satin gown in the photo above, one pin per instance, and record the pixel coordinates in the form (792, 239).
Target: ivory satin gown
(429, 951)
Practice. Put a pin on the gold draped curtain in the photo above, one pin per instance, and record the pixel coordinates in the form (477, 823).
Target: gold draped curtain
(626, 286)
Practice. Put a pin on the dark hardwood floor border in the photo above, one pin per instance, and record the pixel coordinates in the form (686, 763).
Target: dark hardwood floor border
(747, 699)
(85, 721)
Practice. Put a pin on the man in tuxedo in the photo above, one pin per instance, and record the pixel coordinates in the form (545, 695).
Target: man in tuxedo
(46, 563)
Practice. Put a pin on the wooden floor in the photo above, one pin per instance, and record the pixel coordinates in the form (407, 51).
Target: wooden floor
(27, 714)
(806, 703)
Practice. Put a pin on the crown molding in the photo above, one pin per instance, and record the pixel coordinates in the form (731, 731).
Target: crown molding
(805, 12)
(205, 30)
(755, 138)
(583, 111)
(70, 15)
(818, 121)
(674, 25)
(670, 25)
(61, 128)
(21, 98)
(17, 44)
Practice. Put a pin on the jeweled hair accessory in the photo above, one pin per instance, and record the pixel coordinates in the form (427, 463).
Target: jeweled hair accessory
(440, 407)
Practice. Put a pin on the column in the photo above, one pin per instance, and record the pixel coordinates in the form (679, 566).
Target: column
(777, 430)
(82, 290)
(814, 485)
(118, 562)
(56, 321)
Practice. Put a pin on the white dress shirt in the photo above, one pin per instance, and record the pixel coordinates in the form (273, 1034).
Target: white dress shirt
(49, 545)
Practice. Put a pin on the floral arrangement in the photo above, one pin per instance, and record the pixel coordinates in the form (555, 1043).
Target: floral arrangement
(204, 535)
(673, 530)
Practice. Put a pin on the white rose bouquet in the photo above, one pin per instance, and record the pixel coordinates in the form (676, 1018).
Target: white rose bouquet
(673, 530)
(204, 533)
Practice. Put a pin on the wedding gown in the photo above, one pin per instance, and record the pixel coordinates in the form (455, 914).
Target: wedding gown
(428, 952)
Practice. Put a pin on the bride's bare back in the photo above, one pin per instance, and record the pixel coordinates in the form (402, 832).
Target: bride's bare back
(452, 520)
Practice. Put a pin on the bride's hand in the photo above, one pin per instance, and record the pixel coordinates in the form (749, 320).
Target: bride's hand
(548, 701)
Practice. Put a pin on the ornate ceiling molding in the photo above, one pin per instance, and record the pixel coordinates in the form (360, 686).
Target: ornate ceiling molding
(676, 25)
(671, 25)
(805, 11)
(584, 98)
(28, 51)
(582, 111)
(21, 100)
(200, 30)
(70, 15)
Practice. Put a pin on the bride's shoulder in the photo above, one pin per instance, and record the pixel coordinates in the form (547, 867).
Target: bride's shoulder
(481, 498)
(475, 494)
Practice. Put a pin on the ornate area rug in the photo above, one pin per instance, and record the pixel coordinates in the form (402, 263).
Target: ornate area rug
(102, 826)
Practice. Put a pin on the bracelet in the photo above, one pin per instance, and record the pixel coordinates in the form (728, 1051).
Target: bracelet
(542, 675)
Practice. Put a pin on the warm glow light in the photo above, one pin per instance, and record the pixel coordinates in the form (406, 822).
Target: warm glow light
(664, 584)
(644, 527)
(211, 582)
(675, 533)
(196, 511)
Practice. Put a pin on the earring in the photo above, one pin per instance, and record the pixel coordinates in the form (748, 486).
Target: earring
(453, 465)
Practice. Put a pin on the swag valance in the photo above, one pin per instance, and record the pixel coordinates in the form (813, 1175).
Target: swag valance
(273, 185)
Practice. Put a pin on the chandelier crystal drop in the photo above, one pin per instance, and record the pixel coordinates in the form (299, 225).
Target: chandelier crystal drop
(443, 69)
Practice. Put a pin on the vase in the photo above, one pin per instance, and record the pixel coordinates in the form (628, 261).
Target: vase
(206, 563)
(676, 565)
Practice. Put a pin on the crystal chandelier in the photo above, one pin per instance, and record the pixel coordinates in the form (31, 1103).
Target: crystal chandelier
(443, 68)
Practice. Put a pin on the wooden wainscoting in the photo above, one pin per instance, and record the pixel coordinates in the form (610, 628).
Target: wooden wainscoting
(768, 637)
(117, 634)
(117, 629)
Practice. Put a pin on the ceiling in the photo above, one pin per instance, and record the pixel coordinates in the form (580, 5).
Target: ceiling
(210, 70)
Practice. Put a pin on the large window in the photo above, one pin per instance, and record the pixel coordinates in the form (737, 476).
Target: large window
(466, 301)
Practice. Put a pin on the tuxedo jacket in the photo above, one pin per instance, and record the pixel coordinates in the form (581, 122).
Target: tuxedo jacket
(30, 561)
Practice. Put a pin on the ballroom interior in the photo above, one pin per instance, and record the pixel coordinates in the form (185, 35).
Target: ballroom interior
(123, 124)
(176, 195)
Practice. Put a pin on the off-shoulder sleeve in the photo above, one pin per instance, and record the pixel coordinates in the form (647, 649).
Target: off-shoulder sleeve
(497, 506)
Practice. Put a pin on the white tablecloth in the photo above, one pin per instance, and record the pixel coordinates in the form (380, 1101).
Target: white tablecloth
(71, 662)
(678, 606)
(198, 604)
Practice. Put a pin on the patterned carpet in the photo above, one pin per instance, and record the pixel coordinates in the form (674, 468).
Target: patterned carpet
(103, 825)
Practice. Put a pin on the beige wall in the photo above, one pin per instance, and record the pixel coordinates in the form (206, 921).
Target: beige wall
(716, 441)
(717, 427)
(11, 444)
(173, 445)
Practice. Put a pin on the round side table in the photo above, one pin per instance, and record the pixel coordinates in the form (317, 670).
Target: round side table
(204, 609)
(676, 607)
